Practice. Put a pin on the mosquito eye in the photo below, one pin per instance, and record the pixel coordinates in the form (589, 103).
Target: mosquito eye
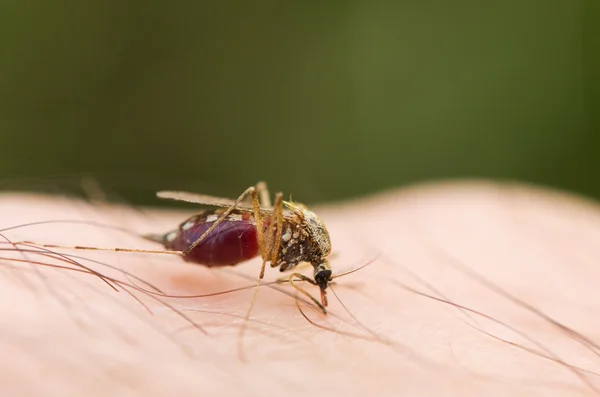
(323, 277)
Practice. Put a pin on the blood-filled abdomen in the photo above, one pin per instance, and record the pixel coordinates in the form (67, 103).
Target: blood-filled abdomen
(229, 243)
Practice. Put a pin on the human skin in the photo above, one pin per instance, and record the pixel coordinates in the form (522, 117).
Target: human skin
(521, 262)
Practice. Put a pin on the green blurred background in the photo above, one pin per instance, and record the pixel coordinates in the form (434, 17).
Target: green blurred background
(324, 99)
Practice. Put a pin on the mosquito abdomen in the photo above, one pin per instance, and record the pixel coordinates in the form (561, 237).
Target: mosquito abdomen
(229, 243)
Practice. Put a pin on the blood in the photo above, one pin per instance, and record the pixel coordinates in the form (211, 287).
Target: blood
(230, 243)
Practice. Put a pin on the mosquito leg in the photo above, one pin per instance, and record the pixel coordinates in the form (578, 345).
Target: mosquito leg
(286, 278)
(269, 247)
(275, 229)
(260, 229)
(263, 246)
(80, 247)
(302, 277)
(250, 191)
(263, 195)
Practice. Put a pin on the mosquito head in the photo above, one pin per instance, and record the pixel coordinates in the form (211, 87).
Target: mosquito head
(322, 279)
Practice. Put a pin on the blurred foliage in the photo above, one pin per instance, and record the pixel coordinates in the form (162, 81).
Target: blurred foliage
(322, 99)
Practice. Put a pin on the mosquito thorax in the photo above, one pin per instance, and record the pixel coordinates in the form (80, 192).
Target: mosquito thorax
(304, 239)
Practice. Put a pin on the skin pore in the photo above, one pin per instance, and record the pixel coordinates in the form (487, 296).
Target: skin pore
(473, 289)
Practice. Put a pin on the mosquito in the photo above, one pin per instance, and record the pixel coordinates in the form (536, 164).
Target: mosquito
(284, 234)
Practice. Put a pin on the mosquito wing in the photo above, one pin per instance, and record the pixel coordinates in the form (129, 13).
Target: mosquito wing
(195, 198)
(208, 200)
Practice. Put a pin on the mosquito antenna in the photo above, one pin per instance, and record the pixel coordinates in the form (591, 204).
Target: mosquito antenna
(357, 268)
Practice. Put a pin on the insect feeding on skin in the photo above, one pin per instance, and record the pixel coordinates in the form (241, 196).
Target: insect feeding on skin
(285, 234)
